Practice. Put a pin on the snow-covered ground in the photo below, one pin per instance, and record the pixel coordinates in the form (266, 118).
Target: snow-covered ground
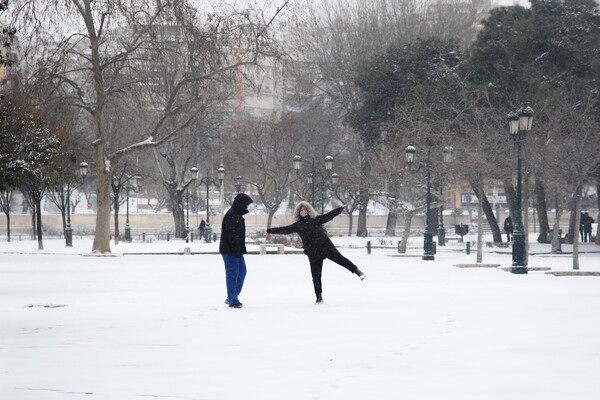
(78, 326)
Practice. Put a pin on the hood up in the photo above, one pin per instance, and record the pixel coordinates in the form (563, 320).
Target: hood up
(311, 211)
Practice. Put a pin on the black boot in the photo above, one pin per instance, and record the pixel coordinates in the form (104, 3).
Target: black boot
(360, 274)
(319, 299)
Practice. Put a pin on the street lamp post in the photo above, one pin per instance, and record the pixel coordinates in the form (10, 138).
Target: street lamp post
(127, 227)
(238, 183)
(519, 123)
(427, 235)
(83, 169)
(311, 175)
(448, 153)
(116, 186)
(194, 172)
(208, 180)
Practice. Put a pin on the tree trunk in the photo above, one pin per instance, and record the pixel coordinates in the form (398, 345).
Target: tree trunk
(350, 224)
(406, 233)
(577, 206)
(556, 236)
(5, 199)
(270, 217)
(365, 171)
(38, 215)
(102, 237)
(540, 202)
(390, 227)
(511, 198)
(573, 225)
(488, 211)
(392, 219)
(176, 197)
(33, 223)
(7, 226)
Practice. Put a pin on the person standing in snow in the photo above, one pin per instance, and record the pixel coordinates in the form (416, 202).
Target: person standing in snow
(508, 228)
(316, 243)
(233, 247)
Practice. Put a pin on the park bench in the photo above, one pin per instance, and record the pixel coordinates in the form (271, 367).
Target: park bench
(263, 247)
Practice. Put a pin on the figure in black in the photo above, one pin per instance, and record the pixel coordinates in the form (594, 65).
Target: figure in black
(201, 228)
(316, 243)
(233, 248)
(587, 227)
(508, 228)
(582, 226)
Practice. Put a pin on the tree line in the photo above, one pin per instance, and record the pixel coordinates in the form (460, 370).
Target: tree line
(153, 97)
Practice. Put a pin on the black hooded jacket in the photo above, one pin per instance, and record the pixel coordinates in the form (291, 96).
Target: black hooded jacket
(233, 228)
(315, 241)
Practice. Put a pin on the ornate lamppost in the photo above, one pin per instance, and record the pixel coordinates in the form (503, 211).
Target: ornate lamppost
(194, 172)
(127, 227)
(448, 154)
(410, 151)
(312, 174)
(83, 170)
(208, 180)
(519, 123)
(238, 183)
(116, 187)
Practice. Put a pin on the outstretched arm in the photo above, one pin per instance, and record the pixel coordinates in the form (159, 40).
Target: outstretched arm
(283, 230)
(321, 219)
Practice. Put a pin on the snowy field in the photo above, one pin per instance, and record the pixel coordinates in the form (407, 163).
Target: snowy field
(78, 326)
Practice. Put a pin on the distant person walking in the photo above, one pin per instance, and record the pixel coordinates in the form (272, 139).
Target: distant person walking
(508, 228)
(582, 226)
(233, 247)
(587, 227)
(316, 243)
(201, 228)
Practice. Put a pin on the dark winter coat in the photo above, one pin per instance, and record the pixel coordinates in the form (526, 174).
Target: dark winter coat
(508, 225)
(233, 228)
(315, 241)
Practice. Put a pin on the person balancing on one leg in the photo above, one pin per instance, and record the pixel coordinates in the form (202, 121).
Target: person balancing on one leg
(316, 243)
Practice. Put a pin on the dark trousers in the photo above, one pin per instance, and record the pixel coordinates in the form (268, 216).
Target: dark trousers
(316, 267)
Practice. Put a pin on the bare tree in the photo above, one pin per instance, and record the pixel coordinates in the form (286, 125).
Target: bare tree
(579, 138)
(336, 36)
(97, 64)
(261, 152)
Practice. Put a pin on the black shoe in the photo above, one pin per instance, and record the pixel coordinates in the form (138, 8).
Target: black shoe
(319, 299)
(361, 274)
(237, 305)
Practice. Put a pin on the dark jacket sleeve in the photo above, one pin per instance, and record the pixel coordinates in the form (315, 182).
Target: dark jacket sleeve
(283, 230)
(321, 219)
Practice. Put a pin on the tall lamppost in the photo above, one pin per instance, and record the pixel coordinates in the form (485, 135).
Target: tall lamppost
(194, 173)
(116, 187)
(208, 180)
(83, 169)
(519, 123)
(312, 174)
(127, 227)
(410, 151)
(448, 154)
